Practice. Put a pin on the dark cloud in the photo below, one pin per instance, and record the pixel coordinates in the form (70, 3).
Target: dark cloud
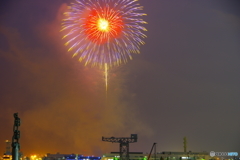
(62, 104)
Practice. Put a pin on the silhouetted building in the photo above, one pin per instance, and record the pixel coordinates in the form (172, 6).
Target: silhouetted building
(162, 156)
(59, 156)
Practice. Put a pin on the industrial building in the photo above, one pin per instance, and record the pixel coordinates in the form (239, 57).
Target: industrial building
(7, 154)
(59, 156)
(162, 156)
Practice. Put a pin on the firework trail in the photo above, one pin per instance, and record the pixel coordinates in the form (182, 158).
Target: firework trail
(104, 33)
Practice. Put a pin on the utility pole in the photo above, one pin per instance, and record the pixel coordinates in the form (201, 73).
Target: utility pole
(185, 144)
(15, 138)
(155, 150)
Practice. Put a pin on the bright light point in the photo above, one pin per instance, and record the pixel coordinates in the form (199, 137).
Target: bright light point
(103, 25)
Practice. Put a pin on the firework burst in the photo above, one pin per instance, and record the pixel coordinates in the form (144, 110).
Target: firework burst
(104, 33)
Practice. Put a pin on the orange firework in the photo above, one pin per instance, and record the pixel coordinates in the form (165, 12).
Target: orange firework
(104, 33)
(99, 28)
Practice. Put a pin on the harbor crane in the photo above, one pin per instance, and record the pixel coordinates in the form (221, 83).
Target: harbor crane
(124, 144)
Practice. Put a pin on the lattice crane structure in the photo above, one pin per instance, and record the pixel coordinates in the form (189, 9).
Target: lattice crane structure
(124, 144)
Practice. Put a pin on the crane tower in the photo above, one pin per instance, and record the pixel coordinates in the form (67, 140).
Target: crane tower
(124, 144)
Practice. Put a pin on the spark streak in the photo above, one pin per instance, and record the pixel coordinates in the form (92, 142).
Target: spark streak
(106, 76)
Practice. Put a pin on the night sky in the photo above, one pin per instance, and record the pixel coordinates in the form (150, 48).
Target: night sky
(185, 82)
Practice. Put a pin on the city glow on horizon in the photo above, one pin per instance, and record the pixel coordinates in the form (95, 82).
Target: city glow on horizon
(35, 157)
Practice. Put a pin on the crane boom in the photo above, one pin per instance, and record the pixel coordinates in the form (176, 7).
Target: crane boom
(149, 156)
